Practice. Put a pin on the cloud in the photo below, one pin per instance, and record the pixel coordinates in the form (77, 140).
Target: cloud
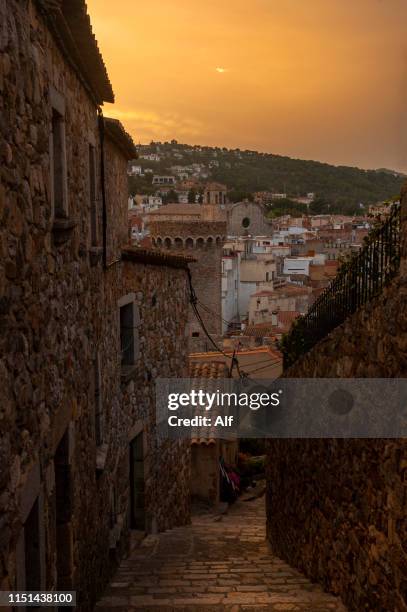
(149, 125)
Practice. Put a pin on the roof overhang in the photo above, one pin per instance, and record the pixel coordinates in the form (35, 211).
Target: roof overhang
(69, 22)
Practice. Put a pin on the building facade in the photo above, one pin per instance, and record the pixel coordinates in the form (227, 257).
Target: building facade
(87, 321)
(345, 500)
(247, 218)
(215, 194)
(230, 290)
(198, 231)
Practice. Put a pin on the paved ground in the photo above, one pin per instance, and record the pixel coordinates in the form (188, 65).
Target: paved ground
(217, 563)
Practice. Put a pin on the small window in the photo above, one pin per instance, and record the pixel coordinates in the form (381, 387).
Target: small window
(58, 166)
(92, 196)
(113, 507)
(98, 402)
(32, 542)
(129, 323)
(127, 334)
(246, 222)
(195, 334)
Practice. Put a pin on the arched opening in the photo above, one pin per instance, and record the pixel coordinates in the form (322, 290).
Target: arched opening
(200, 243)
(218, 240)
(209, 242)
(159, 242)
(246, 222)
(189, 243)
(178, 243)
(167, 243)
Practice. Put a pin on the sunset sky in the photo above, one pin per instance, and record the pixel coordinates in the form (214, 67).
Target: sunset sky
(315, 79)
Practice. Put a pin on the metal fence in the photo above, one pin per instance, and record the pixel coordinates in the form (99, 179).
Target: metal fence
(357, 282)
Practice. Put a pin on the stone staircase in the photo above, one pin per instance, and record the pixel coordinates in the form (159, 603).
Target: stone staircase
(220, 562)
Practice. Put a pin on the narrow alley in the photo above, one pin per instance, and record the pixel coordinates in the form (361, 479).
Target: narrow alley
(219, 562)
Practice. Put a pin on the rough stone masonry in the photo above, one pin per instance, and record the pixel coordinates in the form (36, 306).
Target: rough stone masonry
(337, 509)
(79, 456)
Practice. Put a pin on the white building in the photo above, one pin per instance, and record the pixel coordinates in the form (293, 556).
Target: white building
(182, 197)
(294, 266)
(151, 157)
(297, 265)
(148, 203)
(163, 180)
(278, 196)
(230, 289)
(256, 272)
(290, 298)
(135, 170)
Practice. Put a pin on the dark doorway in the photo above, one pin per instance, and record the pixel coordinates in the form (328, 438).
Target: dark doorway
(63, 514)
(137, 509)
(32, 546)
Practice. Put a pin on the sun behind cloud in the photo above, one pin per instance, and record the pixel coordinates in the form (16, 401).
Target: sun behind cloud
(222, 70)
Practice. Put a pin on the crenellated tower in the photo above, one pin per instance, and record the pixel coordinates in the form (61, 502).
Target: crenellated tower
(197, 231)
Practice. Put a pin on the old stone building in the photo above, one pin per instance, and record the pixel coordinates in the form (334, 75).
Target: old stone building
(337, 507)
(215, 194)
(247, 218)
(87, 322)
(199, 231)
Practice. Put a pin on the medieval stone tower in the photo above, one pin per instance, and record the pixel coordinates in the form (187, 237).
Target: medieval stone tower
(197, 231)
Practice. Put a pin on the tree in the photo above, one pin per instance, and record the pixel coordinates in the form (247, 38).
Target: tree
(319, 207)
(236, 195)
(171, 197)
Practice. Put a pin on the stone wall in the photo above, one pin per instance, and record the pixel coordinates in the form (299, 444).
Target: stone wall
(247, 218)
(337, 508)
(162, 296)
(203, 241)
(64, 430)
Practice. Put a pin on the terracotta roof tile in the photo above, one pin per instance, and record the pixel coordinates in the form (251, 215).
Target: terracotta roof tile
(178, 209)
(116, 132)
(209, 370)
(204, 375)
(286, 317)
(155, 257)
(283, 291)
(72, 29)
(215, 187)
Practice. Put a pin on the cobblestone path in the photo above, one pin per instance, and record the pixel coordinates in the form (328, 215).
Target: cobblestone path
(217, 563)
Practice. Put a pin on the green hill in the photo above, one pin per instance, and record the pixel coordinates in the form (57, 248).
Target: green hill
(245, 172)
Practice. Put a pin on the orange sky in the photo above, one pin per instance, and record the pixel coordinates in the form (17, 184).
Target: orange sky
(316, 79)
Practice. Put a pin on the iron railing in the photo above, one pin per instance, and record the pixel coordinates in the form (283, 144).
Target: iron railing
(357, 282)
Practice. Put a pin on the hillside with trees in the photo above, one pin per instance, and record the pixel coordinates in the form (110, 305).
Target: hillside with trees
(338, 188)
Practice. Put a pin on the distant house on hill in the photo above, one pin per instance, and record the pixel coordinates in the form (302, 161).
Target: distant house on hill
(164, 180)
